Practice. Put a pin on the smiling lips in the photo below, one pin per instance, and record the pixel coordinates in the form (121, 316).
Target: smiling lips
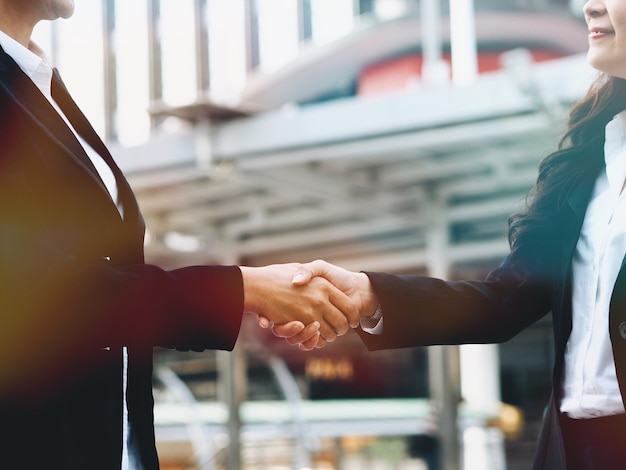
(598, 33)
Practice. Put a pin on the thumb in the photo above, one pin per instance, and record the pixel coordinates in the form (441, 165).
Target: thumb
(302, 275)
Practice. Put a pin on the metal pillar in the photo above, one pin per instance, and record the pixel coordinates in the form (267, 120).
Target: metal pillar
(110, 70)
(305, 20)
(443, 361)
(155, 53)
(232, 379)
(435, 71)
(203, 81)
(232, 383)
(444, 372)
(253, 57)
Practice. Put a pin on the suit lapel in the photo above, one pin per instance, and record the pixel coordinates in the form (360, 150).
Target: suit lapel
(27, 96)
(570, 225)
(29, 99)
(86, 131)
(78, 120)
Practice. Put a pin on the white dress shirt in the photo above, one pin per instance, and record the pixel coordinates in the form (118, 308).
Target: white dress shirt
(36, 65)
(590, 382)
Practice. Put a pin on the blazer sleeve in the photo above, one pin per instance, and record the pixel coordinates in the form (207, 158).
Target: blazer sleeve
(73, 281)
(422, 311)
(65, 293)
(60, 309)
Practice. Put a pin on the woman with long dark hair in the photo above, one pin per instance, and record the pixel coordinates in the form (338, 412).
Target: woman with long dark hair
(567, 257)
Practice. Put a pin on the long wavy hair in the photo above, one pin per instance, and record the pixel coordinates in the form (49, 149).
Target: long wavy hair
(533, 232)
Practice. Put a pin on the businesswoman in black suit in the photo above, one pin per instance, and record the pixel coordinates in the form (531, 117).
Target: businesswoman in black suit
(80, 310)
(567, 257)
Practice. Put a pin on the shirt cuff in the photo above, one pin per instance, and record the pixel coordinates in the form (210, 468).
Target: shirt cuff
(373, 324)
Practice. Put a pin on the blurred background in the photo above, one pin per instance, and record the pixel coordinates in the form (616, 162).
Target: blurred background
(393, 135)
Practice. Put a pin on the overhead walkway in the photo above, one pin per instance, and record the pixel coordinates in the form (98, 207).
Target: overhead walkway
(372, 183)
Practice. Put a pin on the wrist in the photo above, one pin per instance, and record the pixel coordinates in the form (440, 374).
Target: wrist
(371, 322)
(369, 299)
(251, 295)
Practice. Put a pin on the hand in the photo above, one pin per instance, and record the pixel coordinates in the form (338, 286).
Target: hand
(270, 293)
(357, 286)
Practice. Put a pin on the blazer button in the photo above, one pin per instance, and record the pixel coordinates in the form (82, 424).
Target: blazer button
(622, 330)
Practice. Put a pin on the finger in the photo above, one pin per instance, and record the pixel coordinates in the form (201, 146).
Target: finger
(263, 322)
(332, 327)
(310, 333)
(311, 343)
(328, 331)
(346, 306)
(321, 342)
(288, 330)
(339, 312)
(333, 322)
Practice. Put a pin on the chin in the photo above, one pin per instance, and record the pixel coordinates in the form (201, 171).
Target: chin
(598, 64)
(614, 66)
(65, 9)
(66, 13)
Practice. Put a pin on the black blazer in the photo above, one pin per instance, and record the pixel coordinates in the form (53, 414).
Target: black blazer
(74, 289)
(421, 311)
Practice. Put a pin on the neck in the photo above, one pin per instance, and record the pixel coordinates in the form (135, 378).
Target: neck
(15, 23)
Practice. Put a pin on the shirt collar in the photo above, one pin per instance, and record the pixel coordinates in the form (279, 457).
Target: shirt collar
(32, 60)
(615, 151)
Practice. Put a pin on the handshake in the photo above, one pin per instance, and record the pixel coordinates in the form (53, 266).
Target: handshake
(307, 304)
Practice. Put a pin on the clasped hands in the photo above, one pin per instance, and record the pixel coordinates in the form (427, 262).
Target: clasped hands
(308, 304)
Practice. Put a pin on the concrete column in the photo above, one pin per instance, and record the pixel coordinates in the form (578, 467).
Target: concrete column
(463, 42)
(480, 378)
(480, 388)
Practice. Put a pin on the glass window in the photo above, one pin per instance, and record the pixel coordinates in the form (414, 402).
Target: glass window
(331, 20)
(131, 52)
(227, 49)
(278, 33)
(179, 57)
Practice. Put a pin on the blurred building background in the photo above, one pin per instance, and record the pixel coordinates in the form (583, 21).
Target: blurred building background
(393, 135)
